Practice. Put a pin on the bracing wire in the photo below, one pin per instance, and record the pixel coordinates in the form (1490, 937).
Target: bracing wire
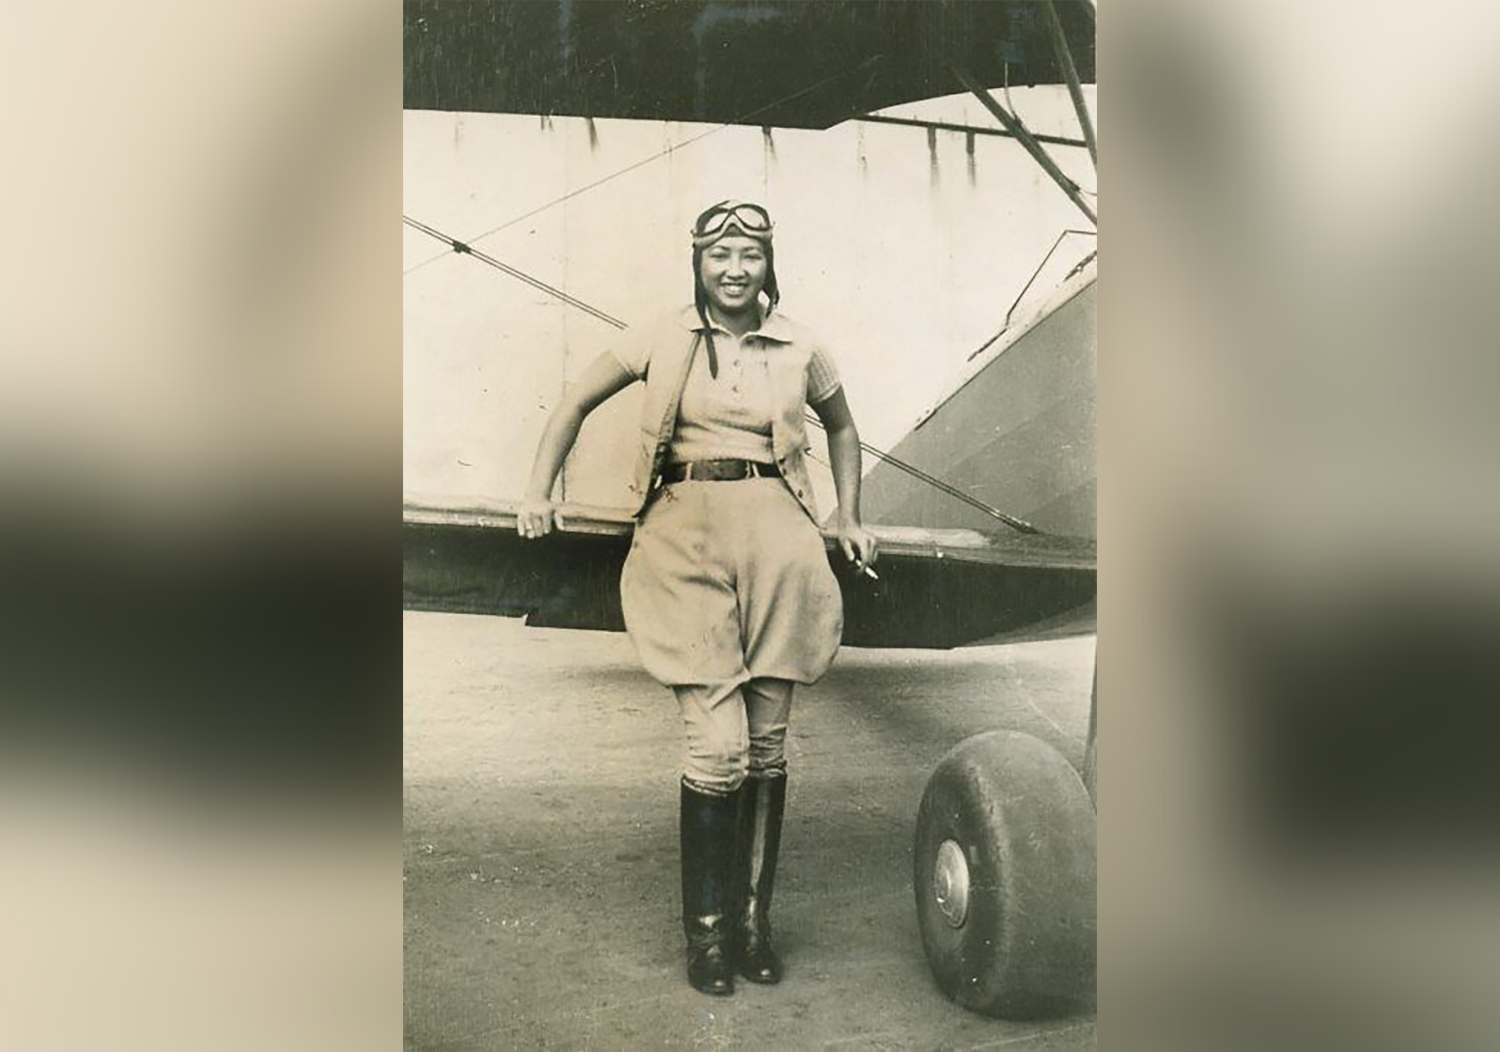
(609, 319)
(536, 283)
(743, 118)
(953, 491)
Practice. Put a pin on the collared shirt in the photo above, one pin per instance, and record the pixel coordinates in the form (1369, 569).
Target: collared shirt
(752, 410)
(634, 351)
(729, 416)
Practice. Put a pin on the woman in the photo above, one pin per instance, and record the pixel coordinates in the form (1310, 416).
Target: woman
(727, 592)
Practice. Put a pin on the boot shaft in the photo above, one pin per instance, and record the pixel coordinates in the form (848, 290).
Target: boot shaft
(762, 807)
(707, 827)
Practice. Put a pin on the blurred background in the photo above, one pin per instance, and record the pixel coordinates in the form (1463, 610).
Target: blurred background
(1298, 527)
(200, 418)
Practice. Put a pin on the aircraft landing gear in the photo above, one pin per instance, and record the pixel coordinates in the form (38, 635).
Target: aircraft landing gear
(1005, 870)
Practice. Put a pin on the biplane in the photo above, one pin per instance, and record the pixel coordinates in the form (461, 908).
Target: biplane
(984, 510)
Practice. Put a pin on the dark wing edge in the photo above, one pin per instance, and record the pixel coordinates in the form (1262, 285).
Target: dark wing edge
(937, 589)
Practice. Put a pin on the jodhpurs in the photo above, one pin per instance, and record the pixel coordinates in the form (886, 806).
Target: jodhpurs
(735, 732)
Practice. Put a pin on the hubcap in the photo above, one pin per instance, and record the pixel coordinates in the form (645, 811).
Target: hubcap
(951, 883)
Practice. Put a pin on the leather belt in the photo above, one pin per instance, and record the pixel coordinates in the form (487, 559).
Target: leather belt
(719, 471)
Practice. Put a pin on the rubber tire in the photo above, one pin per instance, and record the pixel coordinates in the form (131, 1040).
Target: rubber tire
(1027, 827)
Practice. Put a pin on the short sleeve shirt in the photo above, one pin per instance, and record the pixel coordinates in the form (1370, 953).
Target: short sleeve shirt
(633, 349)
(822, 376)
(728, 416)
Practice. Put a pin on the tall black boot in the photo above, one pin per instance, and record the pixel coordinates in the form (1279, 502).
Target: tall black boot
(707, 832)
(761, 807)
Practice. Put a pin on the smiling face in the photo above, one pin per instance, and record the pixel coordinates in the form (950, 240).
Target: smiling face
(733, 272)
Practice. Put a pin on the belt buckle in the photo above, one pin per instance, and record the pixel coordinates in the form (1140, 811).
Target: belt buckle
(687, 471)
(749, 469)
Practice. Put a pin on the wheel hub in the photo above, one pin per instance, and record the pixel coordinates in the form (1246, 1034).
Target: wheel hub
(951, 883)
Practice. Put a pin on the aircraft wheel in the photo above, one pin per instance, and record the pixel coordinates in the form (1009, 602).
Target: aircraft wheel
(1005, 872)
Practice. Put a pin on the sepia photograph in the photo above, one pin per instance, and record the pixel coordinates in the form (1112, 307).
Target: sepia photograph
(749, 524)
(739, 376)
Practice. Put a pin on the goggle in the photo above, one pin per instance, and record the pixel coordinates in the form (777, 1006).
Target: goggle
(753, 220)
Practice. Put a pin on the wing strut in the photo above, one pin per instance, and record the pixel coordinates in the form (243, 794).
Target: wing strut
(1070, 72)
(967, 129)
(1023, 135)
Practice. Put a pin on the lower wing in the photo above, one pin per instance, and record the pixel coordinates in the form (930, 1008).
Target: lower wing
(936, 588)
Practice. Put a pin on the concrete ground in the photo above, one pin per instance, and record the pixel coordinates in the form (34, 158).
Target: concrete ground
(541, 903)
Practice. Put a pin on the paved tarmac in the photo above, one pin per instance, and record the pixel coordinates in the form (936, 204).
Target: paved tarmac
(540, 870)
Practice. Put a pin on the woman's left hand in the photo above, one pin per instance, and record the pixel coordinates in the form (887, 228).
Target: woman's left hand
(858, 543)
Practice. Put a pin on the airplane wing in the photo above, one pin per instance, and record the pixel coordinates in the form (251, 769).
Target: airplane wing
(938, 588)
(775, 63)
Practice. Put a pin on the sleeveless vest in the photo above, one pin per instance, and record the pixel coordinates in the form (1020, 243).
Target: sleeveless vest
(666, 376)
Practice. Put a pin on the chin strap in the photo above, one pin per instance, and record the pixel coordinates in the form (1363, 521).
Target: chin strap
(708, 337)
(713, 356)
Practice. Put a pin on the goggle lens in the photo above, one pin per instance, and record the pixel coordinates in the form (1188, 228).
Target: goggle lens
(752, 219)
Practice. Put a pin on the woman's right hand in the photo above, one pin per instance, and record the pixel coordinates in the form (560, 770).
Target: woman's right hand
(535, 517)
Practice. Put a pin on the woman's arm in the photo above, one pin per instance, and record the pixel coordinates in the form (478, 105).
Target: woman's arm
(844, 454)
(603, 378)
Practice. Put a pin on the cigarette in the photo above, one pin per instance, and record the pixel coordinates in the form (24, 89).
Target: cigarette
(870, 573)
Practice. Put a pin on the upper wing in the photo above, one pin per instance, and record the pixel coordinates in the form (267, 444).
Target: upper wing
(775, 63)
(937, 588)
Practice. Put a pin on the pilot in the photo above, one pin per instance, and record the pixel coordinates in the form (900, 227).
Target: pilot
(727, 592)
